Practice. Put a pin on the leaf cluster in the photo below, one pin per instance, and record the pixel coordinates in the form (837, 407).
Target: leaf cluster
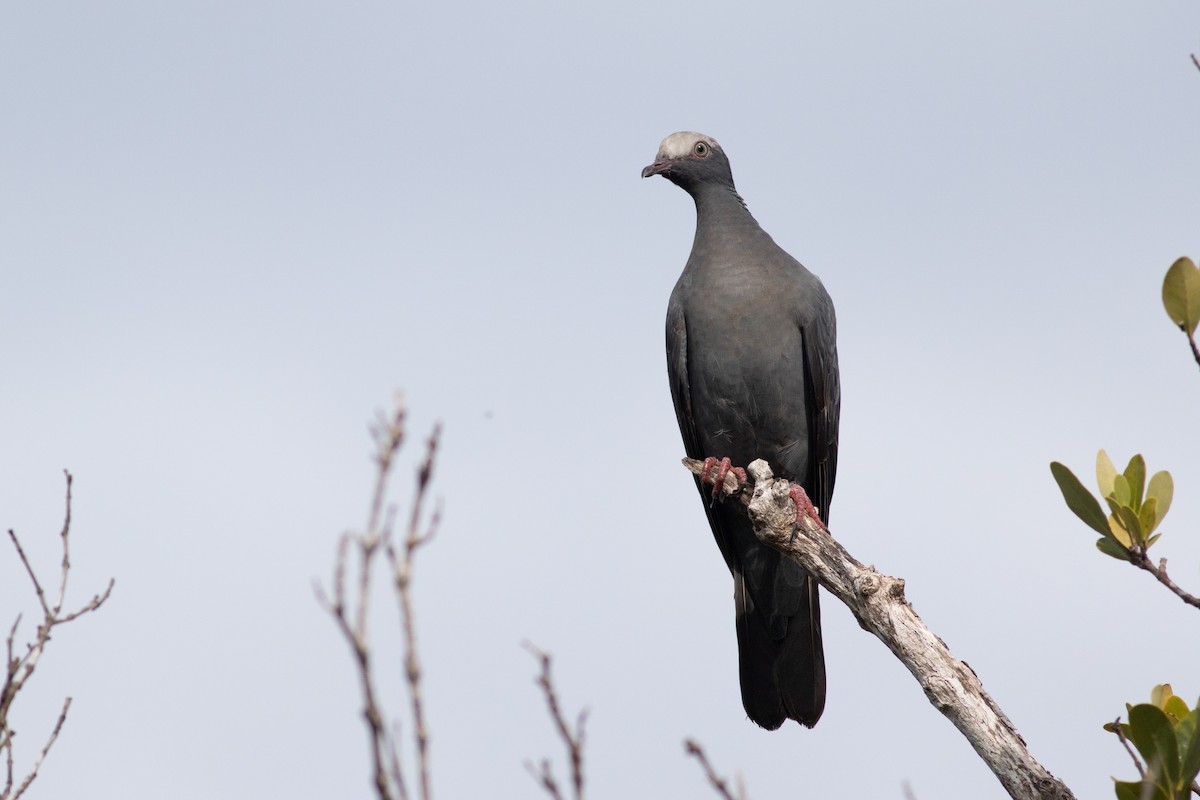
(1165, 733)
(1136, 508)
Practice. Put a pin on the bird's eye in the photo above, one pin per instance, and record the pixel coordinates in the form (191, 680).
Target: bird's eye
(701, 149)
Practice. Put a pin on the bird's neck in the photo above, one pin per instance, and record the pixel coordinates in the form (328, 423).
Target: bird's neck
(719, 209)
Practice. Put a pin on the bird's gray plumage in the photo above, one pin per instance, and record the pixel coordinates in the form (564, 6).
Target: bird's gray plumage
(752, 362)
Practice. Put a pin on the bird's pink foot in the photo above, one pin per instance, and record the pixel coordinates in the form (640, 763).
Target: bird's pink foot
(723, 468)
(804, 508)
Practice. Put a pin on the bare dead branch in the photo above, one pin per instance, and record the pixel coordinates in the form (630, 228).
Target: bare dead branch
(37, 765)
(7, 747)
(545, 777)
(402, 570)
(355, 635)
(388, 433)
(352, 618)
(66, 558)
(91, 605)
(394, 766)
(693, 748)
(572, 740)
(1195, 61)
(37, 587)
(19, 669)
(878, 602)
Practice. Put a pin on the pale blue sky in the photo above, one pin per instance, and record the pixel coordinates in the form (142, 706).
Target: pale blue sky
(229, 230)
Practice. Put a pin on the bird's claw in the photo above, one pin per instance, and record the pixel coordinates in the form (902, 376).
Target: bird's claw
(804, 508)
(723, 467)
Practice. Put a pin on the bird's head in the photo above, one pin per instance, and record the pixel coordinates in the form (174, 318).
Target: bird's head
(690, 159)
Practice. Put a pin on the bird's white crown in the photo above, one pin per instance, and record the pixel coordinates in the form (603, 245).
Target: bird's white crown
(680, 144)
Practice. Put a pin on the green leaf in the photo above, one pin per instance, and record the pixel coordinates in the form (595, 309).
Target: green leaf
(1189, 730)
(1105, 472)
(1111, 548)
(1148, 516)
(1151, 733)
(1175, 709)
(1150, 542)
(1129, 521)
(1135, 473)
(1162, 487)
(1119, 533)
(1122, 492)
(1181, 294)
(1113, 505)
(1137, 790)
(1081, 502)
(1184, 726)
(1128, 790)
(1160, 694)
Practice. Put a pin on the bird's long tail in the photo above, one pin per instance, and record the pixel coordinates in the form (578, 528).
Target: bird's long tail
(781, 658)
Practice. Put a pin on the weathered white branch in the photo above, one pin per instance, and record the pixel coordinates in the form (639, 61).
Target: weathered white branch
(878, 602)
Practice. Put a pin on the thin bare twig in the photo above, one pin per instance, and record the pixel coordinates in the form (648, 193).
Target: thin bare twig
(545, 777)
(37, 586)
(355, 635)
(572, 740)
(402, 570)
(352, 620)
(66, 551)
(9, 759)
(394, 766)
(37, 765)
(693, 748)
(388, 433)
(1139, 558)
(19, 669)
(1137, 762)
